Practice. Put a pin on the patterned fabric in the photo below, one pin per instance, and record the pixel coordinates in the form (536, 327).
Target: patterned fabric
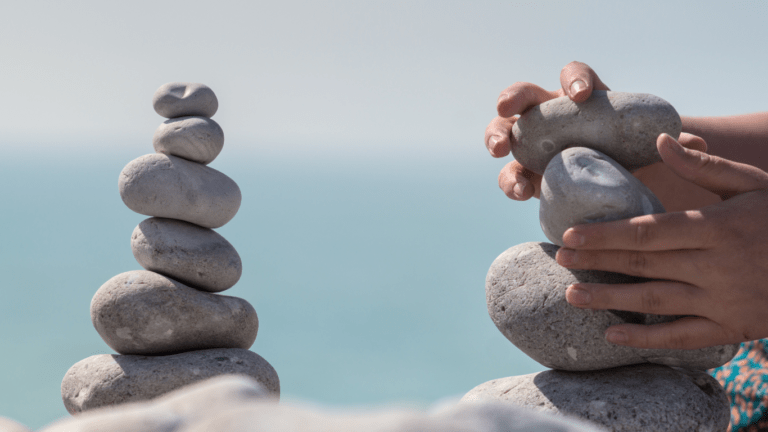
(745, 379)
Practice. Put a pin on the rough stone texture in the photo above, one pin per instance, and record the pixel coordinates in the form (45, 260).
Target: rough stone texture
(624, 126)
(198, 139)
(525, 293)
(642, 398)
(582, 185)
(145, 313)
(172, 187)
(8, 425)
(198, 257)
(237, 404)
(180, 99)
(105, 380)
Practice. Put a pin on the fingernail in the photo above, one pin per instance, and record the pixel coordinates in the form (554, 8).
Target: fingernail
(616, 336)
(572, 238)
(577, 86)
(518, 189)
(669, 143)
(566, 257)
(578, 296)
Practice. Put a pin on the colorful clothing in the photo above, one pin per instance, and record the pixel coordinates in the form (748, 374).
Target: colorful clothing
(745, 379)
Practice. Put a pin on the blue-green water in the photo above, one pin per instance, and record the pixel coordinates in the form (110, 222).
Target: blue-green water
(367, 272)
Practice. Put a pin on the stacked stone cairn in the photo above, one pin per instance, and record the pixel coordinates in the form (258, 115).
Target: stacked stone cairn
(585, 152)
(167, 322)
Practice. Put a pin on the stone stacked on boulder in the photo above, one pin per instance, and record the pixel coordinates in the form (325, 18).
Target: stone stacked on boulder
(615, 386)
(168, 324)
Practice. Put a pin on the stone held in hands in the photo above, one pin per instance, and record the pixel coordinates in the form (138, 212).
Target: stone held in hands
(624, 126)
(171, 187)
(181, 99)
(196, 256)
(640, 398)
(105, 380)
(582, 186)
(525, 294)
(198, 139)
(145, 313)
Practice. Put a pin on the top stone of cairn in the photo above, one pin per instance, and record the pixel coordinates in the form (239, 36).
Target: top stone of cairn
(180, 99)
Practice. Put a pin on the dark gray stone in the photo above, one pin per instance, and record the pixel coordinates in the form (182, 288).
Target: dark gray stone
(624, 126)
(171, 187)
(582, 186)
(525, 293)
(641, 398)
(198, 139)
(198, 257)
(106, 380)
(180, 99)
(142, 312)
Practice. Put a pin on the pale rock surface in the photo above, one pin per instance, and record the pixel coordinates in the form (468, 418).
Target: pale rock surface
(582, 186)
(8, 425)
(525, 294)
(171, 187)
(180, 99)
(144, 313)
(106, 380)
(624, 126)
(196, 256)
(198, 139)
(641, 398)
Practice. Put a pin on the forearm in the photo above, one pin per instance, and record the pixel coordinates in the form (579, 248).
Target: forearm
(741, 138)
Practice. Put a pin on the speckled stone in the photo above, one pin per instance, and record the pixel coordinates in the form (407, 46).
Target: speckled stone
(641, 398)
(8, 425)
(172, 187)
(145, 313)
(582, 186)
(198, 139)
(624, 126)
(525, 293)
(105, 380)
(180, 99)
(196, 256)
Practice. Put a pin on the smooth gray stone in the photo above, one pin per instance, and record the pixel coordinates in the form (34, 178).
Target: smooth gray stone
(171, 187)
(525, 293)
(106, 380)
(144, 313)
(582, 186)
(198, 139)
(642, 398)
(8, 425)
(196, 256)
(624, 126)
(180, 99)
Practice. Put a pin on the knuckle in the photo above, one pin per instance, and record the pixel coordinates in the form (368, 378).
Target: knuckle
(676, 340)
(642, 234)
(650, 300)
(637, 262)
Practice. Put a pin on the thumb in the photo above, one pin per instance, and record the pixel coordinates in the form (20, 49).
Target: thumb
(721, 176)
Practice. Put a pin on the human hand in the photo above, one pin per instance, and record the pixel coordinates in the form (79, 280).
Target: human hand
(712, 262)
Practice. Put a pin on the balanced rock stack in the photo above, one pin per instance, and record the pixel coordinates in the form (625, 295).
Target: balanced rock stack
(584, 151)
(167, 322)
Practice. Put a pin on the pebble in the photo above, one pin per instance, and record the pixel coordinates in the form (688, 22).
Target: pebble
(171, 187)
(144, 313)
(641, 398)
(8, 425)
(525, 293)
(237, 404)
(198, 139)
(624, 126)
(582, 186)
(181, 99)
(105, 380)
(196, 256)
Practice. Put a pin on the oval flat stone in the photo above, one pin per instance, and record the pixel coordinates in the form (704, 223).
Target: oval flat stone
(180, 99)
(104, 379)
(196, 256)
(171, 187)
(141, 312)
(525, 293)
(624, 126)
(641, 398)
(582, 186)
(198, 139)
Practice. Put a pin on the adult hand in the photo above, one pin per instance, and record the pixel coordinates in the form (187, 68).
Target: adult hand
(712, 262)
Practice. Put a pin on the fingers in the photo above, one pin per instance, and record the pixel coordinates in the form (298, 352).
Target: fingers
(721, 176)
(685, 333)
(578, 80)
(518, 182)
(657, 297)
(692, 142)
(520, 96)
(498, 136)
